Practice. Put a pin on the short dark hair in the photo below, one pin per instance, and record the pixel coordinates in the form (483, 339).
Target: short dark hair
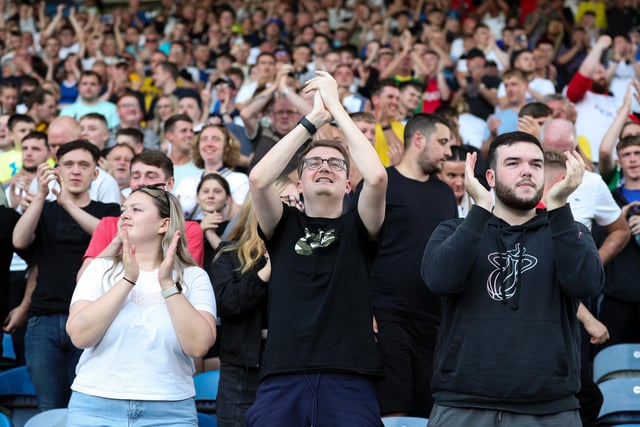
(515, 55)
(96, 116)
(323, 143)
(89, 73)
(8, 85)
(425, 124)
(507, 139)
(628, 141)
(416, 84)
(535, 110)
(215, 177)
(34, 134)
(379, 87)
(121, 145)
(171, 121)
(459, 153)
(79, 144)
(134, 133)
(36, 96)
(194, 96)
(19, 118)
(155, 158)
(171, 68)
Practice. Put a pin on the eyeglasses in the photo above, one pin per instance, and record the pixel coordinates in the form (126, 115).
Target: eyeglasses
(335, 164)
(152, 40)
(285, 113)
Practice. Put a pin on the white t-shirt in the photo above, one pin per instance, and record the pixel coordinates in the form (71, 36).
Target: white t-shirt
(596, 113)
(592, 201)
(186, 192)
(540, 85)
(139, 356)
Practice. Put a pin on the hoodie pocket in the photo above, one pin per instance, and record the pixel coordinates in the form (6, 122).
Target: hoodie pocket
(506, 358)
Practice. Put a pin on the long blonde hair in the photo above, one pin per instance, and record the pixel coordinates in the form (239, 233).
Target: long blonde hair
(244, 235)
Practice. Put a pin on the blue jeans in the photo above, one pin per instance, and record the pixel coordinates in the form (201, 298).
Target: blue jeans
(236, 392)
(51, 359)
(86, 410)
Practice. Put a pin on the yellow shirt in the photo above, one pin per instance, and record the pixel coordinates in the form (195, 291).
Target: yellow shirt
(598, 7)
(10, 164)
(382, 147)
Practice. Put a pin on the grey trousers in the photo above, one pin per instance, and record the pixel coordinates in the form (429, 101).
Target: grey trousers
(446, 416)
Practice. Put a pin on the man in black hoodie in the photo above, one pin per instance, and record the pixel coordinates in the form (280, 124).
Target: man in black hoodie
(510, 278)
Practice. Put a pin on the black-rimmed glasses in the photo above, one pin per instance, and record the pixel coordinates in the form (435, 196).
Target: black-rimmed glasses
(334, 163)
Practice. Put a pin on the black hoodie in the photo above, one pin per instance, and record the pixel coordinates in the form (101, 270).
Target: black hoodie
(509, 337)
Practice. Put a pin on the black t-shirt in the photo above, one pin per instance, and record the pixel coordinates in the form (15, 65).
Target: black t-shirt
(478, 105)
(414, 209)
(8, 220)
(319, 296)
(59, 245)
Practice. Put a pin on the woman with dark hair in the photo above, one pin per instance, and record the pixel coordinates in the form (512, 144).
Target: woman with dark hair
(141, 318)
(217, 212)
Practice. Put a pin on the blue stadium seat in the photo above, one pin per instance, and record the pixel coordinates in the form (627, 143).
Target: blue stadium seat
(16, 382)
(621, 401)
(404, 422)
(206, 384)
(206, 420)
(620, 360)
(7, 347)
(5, 421)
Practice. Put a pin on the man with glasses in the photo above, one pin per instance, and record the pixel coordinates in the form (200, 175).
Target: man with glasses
(149, 168)
(320, 346)
(131, 115)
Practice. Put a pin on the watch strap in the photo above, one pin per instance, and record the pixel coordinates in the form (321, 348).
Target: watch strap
(175, 289)
(310, 127)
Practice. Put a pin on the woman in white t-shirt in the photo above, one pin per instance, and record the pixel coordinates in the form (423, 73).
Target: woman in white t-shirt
(215, 151)
(140, 319)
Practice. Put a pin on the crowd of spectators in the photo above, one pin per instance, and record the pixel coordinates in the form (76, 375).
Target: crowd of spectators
(182, 93)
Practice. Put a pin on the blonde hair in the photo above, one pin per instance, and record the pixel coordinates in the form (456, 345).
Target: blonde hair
(244, 237)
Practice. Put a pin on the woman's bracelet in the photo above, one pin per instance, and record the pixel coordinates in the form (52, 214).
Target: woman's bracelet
(127, 280)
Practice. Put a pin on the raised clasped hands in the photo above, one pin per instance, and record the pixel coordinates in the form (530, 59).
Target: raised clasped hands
(558, 194)
(326, 97)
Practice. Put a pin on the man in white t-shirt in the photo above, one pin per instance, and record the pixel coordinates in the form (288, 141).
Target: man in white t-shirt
(589, 91)
(538, 87)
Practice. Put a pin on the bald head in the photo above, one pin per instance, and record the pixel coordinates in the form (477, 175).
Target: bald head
(61, 130)
(558, 135)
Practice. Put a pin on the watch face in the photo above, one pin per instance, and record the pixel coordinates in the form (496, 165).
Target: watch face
(179, 286)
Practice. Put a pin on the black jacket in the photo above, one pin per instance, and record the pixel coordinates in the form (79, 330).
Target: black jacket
(242, 305)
